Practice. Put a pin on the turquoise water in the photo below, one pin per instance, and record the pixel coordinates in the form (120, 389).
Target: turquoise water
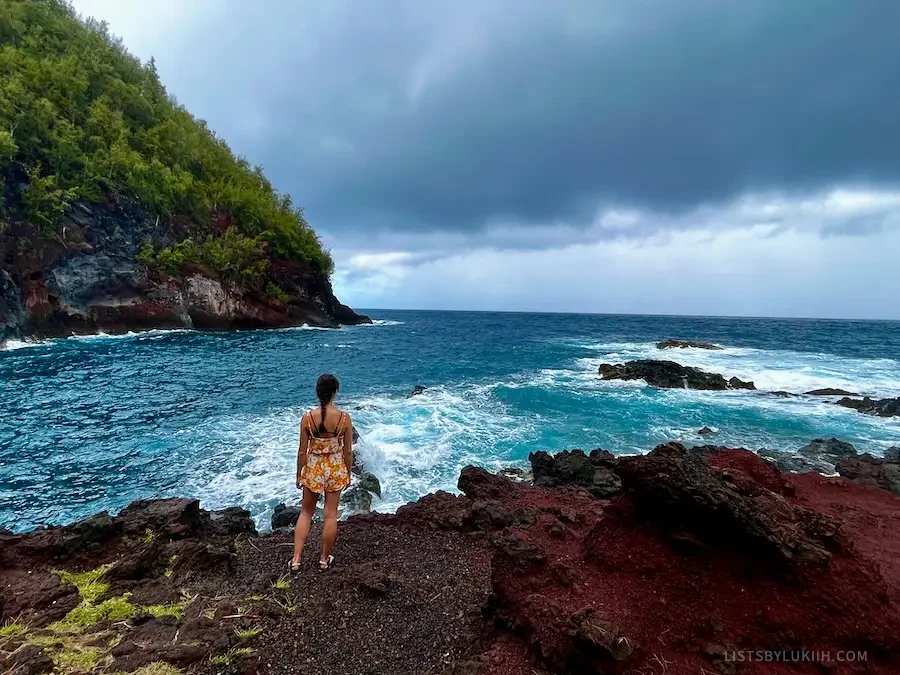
(93, 423)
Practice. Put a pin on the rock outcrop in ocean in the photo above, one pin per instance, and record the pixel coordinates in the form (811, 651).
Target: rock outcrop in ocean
(685, 557)
(670, 375)
(885, 407)
(686, 344)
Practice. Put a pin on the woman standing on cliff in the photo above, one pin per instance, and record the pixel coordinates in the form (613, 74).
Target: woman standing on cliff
(324, 459)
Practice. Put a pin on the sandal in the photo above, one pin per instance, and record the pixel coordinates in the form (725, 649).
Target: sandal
(325, 564)
(294, 567)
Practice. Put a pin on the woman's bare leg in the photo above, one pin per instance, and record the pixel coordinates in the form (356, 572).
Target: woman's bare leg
(307, 512)
(329, 531)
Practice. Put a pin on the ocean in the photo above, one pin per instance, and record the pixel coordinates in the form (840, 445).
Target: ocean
(92, 423)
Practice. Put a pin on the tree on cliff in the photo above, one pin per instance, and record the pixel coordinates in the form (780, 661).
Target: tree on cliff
(81, 119)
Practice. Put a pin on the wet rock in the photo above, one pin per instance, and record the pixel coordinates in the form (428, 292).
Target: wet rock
(726, 505)
(356, 500)
(783, 394)
(285, 517)
(516, 475)
(885, 407)
(832, 449)
(597, 637)
(705, 431)
(355, 435)
(830, 391)
(670, 375)
(736, 383)
(369, 481)
(868, 470)
(682, 344)
(595, 472)
(418, 389)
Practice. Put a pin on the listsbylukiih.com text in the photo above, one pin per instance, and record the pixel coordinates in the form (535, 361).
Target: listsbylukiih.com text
(795, 656)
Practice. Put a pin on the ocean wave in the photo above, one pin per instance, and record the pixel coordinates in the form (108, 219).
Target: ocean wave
(384, 322)
(415, 446)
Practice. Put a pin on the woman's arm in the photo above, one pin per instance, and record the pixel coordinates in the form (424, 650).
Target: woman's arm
(348, 444)
(302, 449)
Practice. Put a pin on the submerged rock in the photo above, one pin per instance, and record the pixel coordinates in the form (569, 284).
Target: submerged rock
(683, 344)
(670, 375)
(885, 407)
(830, 391)
(418, 389)
(705, 431)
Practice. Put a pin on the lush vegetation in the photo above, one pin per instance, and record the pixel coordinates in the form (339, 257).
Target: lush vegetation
(86, 120)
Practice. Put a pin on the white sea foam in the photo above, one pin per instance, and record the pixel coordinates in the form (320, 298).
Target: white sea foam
(415, 445)
(12, 345)
(770, 370)
(383, 322)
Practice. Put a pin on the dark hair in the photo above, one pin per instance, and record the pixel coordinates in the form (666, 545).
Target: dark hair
(326, 387)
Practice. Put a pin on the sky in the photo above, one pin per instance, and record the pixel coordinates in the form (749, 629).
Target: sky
(623, 156)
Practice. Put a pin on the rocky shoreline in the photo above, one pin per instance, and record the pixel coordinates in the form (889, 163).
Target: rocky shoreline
(670, 562)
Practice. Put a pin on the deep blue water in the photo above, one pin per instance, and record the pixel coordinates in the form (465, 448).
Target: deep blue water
(93, 423)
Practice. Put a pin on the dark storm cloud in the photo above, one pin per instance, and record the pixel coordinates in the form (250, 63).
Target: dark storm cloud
(430, 115)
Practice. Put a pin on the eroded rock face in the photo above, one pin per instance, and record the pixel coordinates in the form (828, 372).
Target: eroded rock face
(670, 375)
(684, 344)
(93, 281)
(683, 489)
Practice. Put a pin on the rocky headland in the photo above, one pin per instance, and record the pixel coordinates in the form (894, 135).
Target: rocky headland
(673, 562)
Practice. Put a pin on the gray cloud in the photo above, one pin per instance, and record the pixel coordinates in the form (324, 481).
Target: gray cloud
(425, 115)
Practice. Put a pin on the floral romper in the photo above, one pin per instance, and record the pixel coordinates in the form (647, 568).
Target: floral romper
(325, 470)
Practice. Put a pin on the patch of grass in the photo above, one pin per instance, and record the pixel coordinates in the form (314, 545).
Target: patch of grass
(288, 607)
(209, 613)
(256, 598)
(282, 583)
(174, 609)
(87, 614)
(74, 659)
(248, 633)
(157, 668)
(89, 584)
(12, 628)
(170, 567)
(230, 655)
(148, 536)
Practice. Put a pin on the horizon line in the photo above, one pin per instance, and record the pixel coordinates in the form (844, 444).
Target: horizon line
(628, 314)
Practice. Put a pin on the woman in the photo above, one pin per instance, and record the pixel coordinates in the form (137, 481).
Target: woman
(324, 459)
